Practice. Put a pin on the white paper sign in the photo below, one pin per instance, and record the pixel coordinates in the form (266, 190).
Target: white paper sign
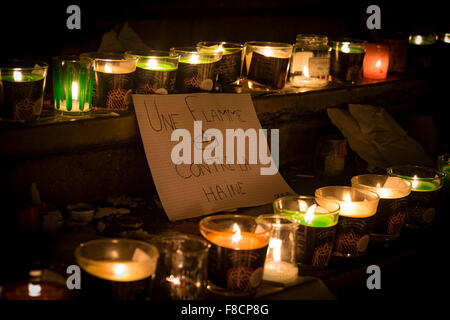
(192, 190)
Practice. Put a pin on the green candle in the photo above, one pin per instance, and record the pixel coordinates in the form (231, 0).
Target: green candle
(317, 221)
(155, 65)
(195, 60)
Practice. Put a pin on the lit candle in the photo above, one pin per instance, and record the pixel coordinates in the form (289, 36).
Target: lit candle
(22, 85)
(280, 265)
(229, 67)
(75, 105)
(155, 71)
(346, 61)
(376, 61)
(238, 250)
(197, 71)
(391, 212)
(425, 182)
(353, 228)
(316, 228)
(267, 63)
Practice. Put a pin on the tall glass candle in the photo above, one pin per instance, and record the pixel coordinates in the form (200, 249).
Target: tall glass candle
(229, 67)
(310, 61)
(316, 230)
(156, 71)
(197, 71)
(238, 250)
(425, 182)
(346, 61)
(280, 265)
(22, 85)
(73, 79)
(391, 213)
(267, 63)
(376, 61)
(117, 268)
(357, 206)
(114, 81)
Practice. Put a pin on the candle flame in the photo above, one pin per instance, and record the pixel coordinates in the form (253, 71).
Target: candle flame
(345, 47)
(237, 234)
(250, 85)
(17, 76)
(34, 290)
(119, 269)
(347, 198)
(275, 245)
(306, 71)
(302, 205)
(418, 40)
(415, 182)
(378, 185)
(220, 48)
(75, 90)
(447, 38)
(108, 68)
(347, 205)
(378, 64)
(193, 59)
(152, 63)
(267, 51)
(309, 216)
(173, 280)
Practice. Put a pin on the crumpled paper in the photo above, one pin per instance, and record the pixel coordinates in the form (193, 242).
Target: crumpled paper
(377, 138)
(122, 38)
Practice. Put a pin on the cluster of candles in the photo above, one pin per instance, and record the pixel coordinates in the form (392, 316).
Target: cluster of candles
(237, 253)
(102, 81)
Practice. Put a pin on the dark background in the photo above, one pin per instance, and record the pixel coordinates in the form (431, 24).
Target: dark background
(36, 29)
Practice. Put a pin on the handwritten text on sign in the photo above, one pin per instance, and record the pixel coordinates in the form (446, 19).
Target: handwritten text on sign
(195, 189)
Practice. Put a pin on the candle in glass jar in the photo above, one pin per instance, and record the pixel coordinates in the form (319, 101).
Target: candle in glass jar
(376, 61)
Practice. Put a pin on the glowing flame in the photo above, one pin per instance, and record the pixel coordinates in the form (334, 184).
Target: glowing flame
(173, 280)
(309, 216)
(74, 90)
(347, 205)
(120, 269)
(345, 47)
(250, 85)
(302, 205)
(275, 245)
(447, 38)
(152, 63)
(378, 64)
(220, 48)
(17, 76)
(378, 185)
(34, 290)
(418, 40)
(193, 59)
(306, 71)
(237, 234)
(415, 182)
(267, 51)
(108, 68)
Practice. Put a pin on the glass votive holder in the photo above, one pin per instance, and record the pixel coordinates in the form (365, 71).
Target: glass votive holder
(443, 164)
(22, 84)
(391, 212)
(398, 53)
(421, 51)
(182, 272)
(346, 61)
(229, 67)
(280, 266)
(267, 64)
(316, 230)
(425, 182)
(357, 206)
(118, 269)
(156, 71)
(310, 61)
(236, 258)
(73, 79)
(376, 61)
(197, 71)
(114, 81)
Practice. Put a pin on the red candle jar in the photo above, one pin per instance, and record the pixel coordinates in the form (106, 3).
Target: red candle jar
(376, 61)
